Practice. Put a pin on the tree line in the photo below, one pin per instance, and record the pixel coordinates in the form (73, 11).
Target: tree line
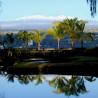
(73, 28)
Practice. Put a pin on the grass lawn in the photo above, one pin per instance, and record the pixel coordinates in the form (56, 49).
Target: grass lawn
(84, 58)
(75, 59)
(30, 64)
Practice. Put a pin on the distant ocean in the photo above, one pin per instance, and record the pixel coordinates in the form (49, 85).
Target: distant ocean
(50, 42)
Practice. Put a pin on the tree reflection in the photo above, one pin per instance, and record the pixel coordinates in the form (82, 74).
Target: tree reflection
(73, 86)
(68, 85)
(25, 79)
(90, 78)
(10, 77)
(39, 79)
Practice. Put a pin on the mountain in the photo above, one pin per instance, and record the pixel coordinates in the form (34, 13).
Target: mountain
(40, 22)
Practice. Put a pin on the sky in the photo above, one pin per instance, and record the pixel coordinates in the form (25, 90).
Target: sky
(16, 9)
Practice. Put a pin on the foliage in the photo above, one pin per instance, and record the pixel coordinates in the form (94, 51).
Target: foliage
(72, 27)
(57, 32)
(38, 37)
(92, 6)
(26, 37)
(9, 40)
(73, 86)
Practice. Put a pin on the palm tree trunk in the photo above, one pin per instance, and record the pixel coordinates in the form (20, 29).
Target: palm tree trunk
(39, 46)
(3, 45)
(72, 44)
(26, 44)
(81, 43)
(58, 41)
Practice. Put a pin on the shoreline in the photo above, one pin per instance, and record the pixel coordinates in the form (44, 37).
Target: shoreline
(82, 68)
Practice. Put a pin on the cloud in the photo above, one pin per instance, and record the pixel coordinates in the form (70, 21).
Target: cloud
(31, 22)
(40, 22)
(42, 17)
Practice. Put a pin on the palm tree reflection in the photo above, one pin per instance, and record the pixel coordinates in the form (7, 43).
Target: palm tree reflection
(90, 78)
(25, 79)
(71, 85)
(39, 79)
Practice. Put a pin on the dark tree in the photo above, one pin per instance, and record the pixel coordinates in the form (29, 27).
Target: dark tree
(92, 4)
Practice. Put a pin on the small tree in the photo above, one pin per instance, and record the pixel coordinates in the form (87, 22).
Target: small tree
(85, 37)
(73, 27)
(1, 40)
(9, 40)
(57, 33)
(38, 38)
(26, 37)
(80, 34)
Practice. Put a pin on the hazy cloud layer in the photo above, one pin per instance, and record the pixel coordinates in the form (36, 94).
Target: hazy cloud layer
(39, 22)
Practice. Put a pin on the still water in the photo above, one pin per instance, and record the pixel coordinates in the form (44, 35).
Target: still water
(47, 86)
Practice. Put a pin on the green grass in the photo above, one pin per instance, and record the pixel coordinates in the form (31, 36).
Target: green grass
(84, 58)
(30, 64)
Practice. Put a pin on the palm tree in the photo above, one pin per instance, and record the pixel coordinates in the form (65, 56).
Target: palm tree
(38, 38)
(57, 33)
(9, 40)
(26, 37)
(70, 26)
(89, 36)
(80, 33)
(74, 28)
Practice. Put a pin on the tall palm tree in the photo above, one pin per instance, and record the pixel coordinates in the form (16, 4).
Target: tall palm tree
(38, 38)
(74, 28)
(57, 33)
(26, 37)
(81, 34)
(70, 26)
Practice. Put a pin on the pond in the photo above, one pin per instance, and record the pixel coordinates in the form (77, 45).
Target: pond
(38, 78)
(48, 86)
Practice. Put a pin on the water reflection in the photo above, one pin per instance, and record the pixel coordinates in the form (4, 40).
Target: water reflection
(73, 86)
(62, 84)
